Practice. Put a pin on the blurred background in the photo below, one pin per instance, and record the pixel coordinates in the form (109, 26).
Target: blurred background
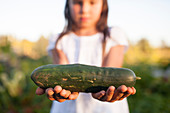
(25, 27)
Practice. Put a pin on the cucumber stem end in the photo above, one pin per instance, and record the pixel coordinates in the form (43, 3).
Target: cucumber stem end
(138, 78)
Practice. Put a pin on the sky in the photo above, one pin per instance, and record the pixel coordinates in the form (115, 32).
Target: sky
(30, 19)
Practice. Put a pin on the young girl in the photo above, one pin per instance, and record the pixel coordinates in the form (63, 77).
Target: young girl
(87, 39)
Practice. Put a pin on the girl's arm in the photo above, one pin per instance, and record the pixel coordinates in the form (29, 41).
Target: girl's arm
(58, 93)
(114, 59)
(59, 57)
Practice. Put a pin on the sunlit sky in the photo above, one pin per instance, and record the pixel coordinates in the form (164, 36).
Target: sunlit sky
(30, 19)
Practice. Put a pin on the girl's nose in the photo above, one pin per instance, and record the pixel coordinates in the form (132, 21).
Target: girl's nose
(85, 7)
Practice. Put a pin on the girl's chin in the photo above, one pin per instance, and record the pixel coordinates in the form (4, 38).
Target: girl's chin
(85, 25)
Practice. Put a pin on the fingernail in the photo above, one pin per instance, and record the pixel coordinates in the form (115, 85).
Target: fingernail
(70, 97)
(50, 92)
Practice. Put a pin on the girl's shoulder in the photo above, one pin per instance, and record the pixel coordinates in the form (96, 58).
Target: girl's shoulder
(115, 29)
(117, 33)
(51, 43)
(53, 37)
(117, 37)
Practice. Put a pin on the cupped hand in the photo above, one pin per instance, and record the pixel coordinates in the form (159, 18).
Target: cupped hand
(57, 93)
(112, 94)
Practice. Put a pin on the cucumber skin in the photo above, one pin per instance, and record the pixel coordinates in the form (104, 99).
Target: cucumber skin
(82, 78)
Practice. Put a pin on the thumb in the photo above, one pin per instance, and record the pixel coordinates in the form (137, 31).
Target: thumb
(39, 91)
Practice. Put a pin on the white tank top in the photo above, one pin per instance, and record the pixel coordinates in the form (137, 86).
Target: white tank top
(88, 50)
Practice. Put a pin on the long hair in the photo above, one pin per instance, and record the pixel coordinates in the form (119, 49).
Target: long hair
(101, 24)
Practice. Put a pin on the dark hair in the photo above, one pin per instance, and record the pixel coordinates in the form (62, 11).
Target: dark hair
(101, 25)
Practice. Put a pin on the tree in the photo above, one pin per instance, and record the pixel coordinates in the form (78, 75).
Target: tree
(41, 46)
(144, 46)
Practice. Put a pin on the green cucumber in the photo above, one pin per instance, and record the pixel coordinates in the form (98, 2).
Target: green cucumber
(82, 78)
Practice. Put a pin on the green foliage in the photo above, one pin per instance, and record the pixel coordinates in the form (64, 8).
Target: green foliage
(5, 46)
(152, 93)
(17, 91)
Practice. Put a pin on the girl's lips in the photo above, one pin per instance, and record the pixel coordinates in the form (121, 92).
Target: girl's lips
(84, 19)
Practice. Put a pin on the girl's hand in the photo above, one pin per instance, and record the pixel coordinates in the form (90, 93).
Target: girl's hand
(57, 93)
(112, 94)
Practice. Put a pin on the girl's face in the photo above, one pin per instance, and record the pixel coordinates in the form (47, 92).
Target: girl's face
(85, 13)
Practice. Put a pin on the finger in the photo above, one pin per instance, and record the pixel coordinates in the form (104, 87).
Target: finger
(98, 95)
(65, 93)
(119, 92)
(58, 97)
(73, 96)
(134, 90)
(57, 89)
(109, 94)
(127, 93)
(50, 92)
(61, 100)
(39, 91)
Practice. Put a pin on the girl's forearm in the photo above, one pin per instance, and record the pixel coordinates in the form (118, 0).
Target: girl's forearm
(114, 58)
(59, 57)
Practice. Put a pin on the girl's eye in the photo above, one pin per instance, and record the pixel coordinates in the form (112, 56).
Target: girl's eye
(77, 2)
(92, 2)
